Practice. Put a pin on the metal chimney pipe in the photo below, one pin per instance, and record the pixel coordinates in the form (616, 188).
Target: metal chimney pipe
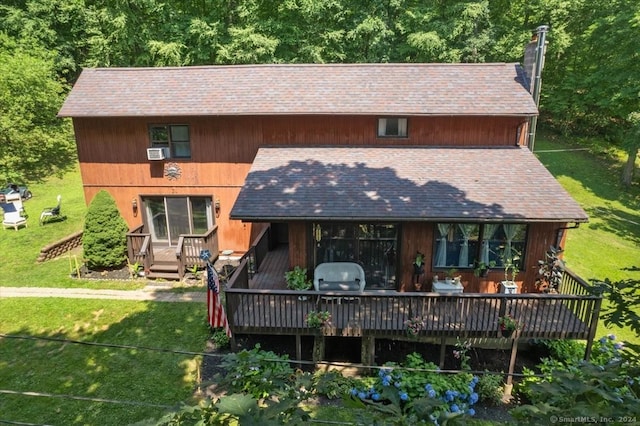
(536, 79)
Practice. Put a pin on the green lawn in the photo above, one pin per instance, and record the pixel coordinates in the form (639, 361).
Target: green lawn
(134, 375)
(609, 245)
(20, 249)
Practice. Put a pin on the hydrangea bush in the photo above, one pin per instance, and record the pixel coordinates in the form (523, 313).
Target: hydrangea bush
(417, 389)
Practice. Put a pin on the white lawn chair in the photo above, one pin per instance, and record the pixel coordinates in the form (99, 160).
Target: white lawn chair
(14, 220)
(50, 212)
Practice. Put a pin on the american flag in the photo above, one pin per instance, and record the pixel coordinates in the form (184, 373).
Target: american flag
(215, 310)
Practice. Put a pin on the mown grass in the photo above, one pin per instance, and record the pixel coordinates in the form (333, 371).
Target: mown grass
(134, 375)
(20, 249)
(608, 246)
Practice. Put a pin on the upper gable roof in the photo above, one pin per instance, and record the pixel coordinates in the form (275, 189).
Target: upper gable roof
(362, 89)
(403, 184)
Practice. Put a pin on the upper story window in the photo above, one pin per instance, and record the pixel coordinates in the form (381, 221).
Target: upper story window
(458, 245)
(392, 127)
(174, 137)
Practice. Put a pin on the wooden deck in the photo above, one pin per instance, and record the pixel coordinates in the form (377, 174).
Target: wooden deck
(264, 305)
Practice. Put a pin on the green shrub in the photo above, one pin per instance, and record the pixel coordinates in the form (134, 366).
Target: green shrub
(258, 373)
(490, 388)
(333, 384)
(104, 239)
(220, 338)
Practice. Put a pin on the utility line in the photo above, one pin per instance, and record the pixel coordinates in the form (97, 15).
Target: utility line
(86, 398)
(279, 360)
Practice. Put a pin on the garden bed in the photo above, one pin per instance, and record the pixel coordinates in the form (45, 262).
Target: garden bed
(348, 350)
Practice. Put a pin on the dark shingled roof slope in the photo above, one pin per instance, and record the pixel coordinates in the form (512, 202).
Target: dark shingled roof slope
(365, 89)
(398, 183)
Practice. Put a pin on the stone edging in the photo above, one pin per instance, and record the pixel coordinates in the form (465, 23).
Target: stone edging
(60, 247)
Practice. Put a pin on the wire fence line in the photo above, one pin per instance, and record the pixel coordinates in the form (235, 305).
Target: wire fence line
(275, 360)
(204, 354)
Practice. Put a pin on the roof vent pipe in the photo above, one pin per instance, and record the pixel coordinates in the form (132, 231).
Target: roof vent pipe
(536, 78)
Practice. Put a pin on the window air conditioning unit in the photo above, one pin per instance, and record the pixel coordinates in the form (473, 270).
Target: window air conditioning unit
(157, 153)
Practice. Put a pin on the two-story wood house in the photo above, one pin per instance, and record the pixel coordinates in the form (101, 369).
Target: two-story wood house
(363, 163)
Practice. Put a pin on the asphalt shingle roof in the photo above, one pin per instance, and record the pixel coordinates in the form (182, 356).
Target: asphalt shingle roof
(366, 89)
(398, 183)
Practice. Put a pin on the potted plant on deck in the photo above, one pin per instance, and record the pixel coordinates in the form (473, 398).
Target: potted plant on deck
(318, 319)
(550, 271)
(481, 269)
(297, 280)
(418, 270)
(508, 325)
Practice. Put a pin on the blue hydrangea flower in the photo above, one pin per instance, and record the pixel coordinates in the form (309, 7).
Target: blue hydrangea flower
(471, 412)
(385, 382)
(455, 408)
(475, 380)
(618, 345)
(473, 398)
(428, 387)
(612, 337)
(431, 393)
(603, 340)
(362, 395)
(354, 391)
(375, 396)
(404, 396)
(397, 384)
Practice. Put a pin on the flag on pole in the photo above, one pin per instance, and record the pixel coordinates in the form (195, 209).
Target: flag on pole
(215, 311)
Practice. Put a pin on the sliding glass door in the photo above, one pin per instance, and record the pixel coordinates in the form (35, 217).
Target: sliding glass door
(169, 217)
(372, 245)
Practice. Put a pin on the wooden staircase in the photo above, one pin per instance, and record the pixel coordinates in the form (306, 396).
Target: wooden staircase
(164, 269)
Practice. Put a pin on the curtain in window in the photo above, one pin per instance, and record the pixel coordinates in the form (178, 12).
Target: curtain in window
(510, 231)
(489, 230)
(441, 253)
(466, 229)
(402, 127)
(382, 126)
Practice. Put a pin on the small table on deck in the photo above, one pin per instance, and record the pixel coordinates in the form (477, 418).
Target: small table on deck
(444, 287)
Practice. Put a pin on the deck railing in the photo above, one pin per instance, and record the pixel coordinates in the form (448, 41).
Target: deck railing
(258, 251)
(383, 314)
(190, 245)
(140, 247)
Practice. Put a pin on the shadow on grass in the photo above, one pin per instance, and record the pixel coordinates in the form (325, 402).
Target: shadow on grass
(152, 378)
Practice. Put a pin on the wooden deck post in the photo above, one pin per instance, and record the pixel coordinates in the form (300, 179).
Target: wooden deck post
(319, 343)
(299, 348)
(443, 351)
(512, 366)
(368, 350)
(593, 327)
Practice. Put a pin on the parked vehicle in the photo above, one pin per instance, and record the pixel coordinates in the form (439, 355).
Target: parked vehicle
(25, 194)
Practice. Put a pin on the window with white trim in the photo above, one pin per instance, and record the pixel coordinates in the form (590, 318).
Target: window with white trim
(174, 137)
(392, 127)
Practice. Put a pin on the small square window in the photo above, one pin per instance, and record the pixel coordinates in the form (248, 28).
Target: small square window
(392, 127)
(174, 137)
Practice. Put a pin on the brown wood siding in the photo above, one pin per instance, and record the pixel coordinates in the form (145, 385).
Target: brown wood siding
(418, 236)
(298, 243)
(112, 153)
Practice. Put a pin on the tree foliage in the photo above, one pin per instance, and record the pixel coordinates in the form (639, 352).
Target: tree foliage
(591, 77)
(104, 239)
(34, 143)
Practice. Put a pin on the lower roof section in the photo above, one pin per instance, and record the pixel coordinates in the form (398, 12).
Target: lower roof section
(402, 184)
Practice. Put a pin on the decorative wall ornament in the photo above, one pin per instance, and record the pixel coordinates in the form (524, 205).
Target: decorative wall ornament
(172, 171)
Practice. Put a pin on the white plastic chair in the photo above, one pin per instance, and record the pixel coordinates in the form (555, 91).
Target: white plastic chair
(14, 220)
(50, 212)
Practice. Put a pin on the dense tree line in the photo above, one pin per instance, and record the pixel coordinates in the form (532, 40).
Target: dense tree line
(591, 79)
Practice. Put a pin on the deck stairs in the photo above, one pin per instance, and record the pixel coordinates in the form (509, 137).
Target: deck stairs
(165, 270)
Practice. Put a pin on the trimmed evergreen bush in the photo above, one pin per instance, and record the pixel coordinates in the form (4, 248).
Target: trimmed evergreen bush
(104, 239)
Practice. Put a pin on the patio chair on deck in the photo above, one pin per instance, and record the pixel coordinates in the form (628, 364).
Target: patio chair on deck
(50, 212)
